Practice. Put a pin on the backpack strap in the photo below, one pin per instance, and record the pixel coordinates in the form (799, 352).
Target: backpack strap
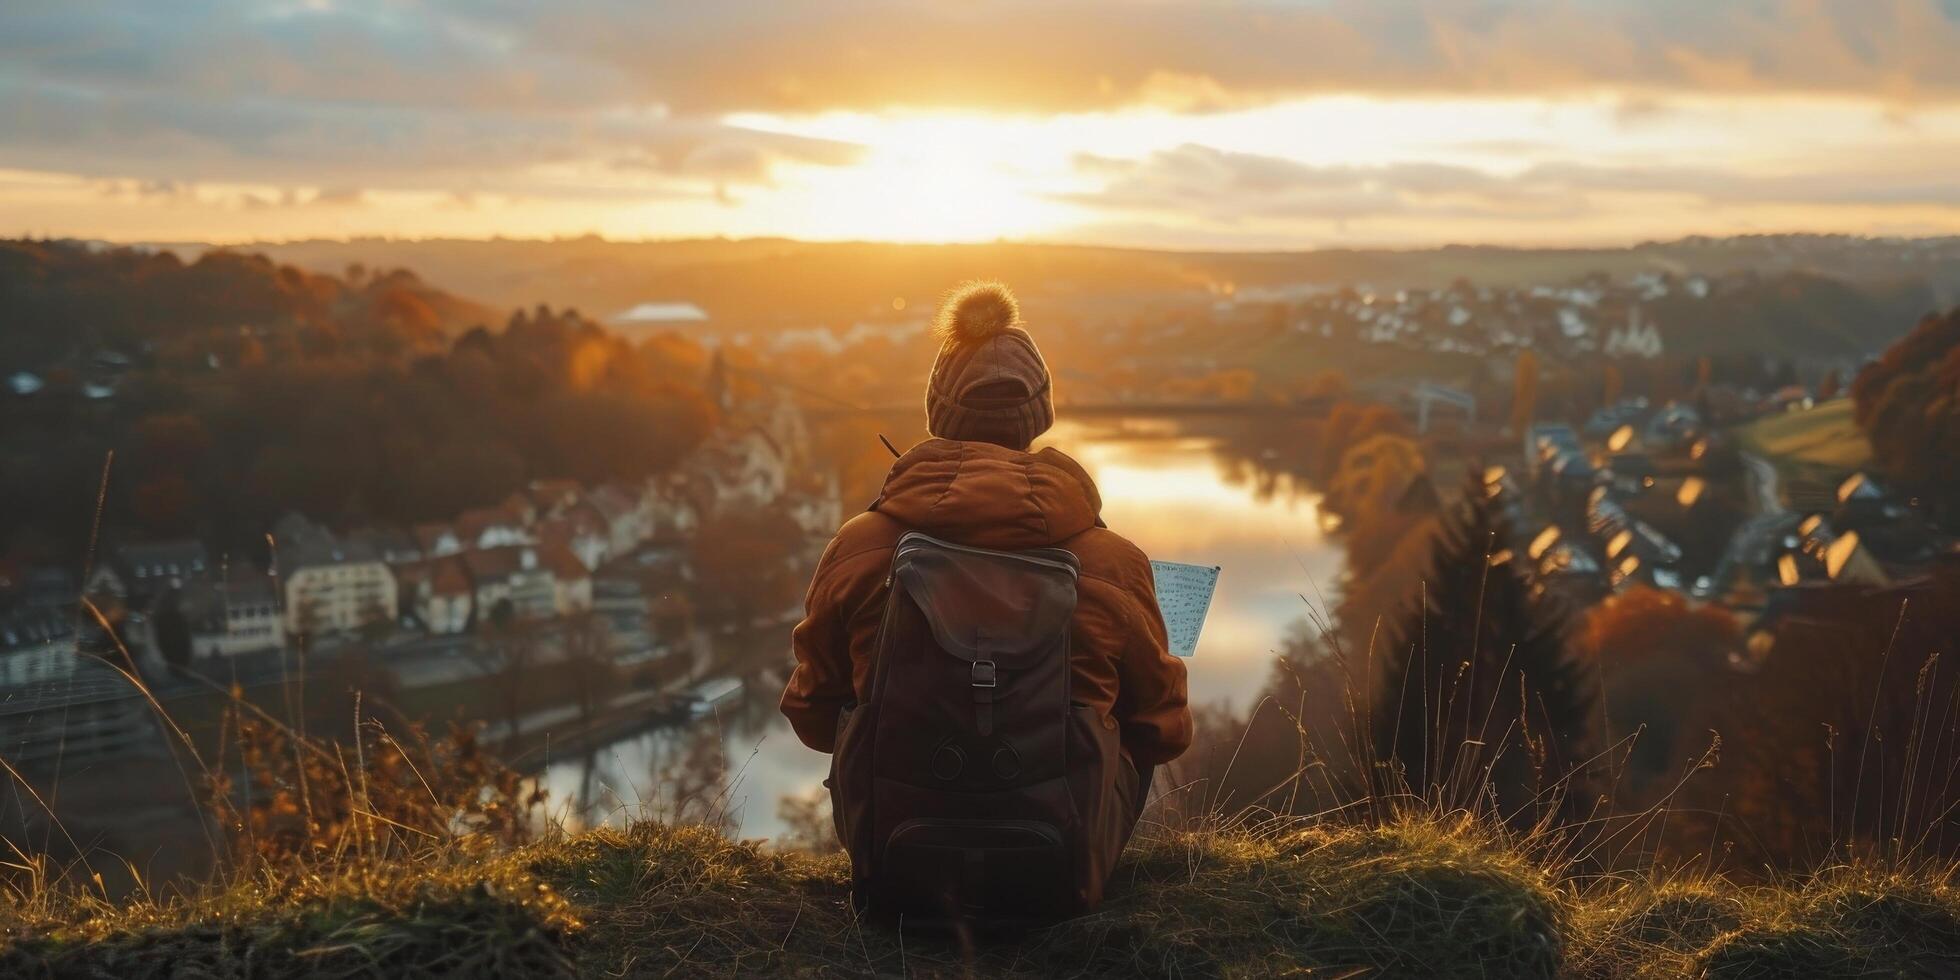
(985, 677)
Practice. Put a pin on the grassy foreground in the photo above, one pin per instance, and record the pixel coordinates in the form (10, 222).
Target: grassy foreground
(1414, 899)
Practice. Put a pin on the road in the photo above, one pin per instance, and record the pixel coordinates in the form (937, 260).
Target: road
(1754, 540)
(1764, 480)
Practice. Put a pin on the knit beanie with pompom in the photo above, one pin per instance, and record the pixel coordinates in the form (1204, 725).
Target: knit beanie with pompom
(989, 383)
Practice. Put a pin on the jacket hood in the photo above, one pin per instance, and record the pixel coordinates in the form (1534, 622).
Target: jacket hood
(980, 494)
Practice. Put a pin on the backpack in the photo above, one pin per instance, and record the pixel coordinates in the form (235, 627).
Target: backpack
(968, 787)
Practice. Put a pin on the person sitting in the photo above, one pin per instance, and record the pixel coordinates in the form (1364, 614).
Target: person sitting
(984, 659)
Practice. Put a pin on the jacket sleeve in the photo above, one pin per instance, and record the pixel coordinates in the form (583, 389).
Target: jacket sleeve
(820, 685)
(1152, 702)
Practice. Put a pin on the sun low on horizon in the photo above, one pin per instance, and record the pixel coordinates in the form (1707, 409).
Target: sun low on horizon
(1180, 124)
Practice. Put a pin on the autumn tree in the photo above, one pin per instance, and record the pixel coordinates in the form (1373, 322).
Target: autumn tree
(403, 308)
(1661, 660)
(256, 389)
(1908, 404)
(1613, 388)
(1524, 391)
(1328, 385)
(1372, 476)
(164, 504)
(1349, 424)
(674, 356)
(1842, 736)
(167, 452)
(1830, 386)
(1234, 385)
(169, 442)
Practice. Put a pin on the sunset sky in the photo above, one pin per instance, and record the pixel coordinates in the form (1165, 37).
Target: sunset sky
(1167, 123)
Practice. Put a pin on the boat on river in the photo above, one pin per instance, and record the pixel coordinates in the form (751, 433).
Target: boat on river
(701, 700)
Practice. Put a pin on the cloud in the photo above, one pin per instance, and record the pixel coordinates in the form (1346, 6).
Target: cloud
(338, 197)
(481, 103)
(728, 153)
(703, 59)
(291, 197)
(1641, 109)
(148, 190)
(1936, 187)
(144, 134)
(386, 94)
(382, 91)
(1043, 55)
(1228, 188)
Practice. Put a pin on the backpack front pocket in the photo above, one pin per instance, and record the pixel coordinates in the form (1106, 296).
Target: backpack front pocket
(953, 867)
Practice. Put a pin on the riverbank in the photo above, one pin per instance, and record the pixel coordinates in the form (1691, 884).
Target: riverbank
(1412, 898)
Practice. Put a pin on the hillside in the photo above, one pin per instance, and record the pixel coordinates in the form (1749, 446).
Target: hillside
(1793, 313)
(1826, 437)
(837, 281)
(61, 300)
(233, 390)
(1407, 899)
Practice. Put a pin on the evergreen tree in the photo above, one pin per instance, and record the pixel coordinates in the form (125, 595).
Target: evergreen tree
(1480, 701)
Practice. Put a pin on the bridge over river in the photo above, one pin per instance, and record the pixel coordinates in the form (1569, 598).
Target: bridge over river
(1417, 402)
(1106, 409)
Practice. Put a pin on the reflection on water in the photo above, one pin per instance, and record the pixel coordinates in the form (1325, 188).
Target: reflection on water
(757, 757)
(1173, 494)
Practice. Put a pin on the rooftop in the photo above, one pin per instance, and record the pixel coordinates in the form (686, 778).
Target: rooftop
(661, 312)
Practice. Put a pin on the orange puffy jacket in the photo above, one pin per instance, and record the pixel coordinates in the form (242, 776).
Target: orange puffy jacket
(979, 494)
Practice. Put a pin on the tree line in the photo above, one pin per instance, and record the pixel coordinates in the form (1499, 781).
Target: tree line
(240, 390)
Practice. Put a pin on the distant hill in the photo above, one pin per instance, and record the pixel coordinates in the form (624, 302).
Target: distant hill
(64, 301)
(760, 282)
(227, 391)
(1793, 313)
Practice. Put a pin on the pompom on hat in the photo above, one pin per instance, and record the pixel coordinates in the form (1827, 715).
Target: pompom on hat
(989, 383)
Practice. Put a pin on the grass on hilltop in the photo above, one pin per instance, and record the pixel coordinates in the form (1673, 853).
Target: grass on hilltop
(1409, 898)
(1826, 437)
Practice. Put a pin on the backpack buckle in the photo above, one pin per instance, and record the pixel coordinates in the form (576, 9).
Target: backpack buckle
(983, 673)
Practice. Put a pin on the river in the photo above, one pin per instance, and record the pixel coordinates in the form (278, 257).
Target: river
(1172, 493)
